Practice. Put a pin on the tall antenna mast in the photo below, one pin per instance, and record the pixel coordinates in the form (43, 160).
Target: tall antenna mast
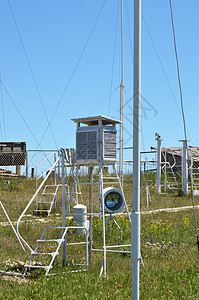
(135, 216)
(121, 99)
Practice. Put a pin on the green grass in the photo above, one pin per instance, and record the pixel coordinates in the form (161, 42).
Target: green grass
(168, 248)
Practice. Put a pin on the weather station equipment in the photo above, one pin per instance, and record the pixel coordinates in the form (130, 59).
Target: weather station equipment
(96, 140)
(113, 200)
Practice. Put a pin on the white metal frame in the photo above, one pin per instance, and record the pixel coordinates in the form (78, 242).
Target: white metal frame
(101, 213)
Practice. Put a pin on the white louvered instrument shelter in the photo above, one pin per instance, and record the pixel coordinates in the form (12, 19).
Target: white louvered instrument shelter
(96, 140)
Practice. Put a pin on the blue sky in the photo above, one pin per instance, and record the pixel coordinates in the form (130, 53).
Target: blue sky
(69, 47)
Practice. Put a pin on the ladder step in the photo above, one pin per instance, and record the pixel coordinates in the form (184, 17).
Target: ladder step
(36, 266)
(48, 193)
(50, 241)
(45, 202)
(44, 253)
(44, 210)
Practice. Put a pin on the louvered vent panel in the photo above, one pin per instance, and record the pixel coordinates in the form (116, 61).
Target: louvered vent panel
(110, 151)
(86, 148)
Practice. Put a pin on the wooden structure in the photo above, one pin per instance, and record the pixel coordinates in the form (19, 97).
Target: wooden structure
(13, 154)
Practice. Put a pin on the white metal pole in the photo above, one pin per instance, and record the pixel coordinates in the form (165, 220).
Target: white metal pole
(147, 195)
(184, 167)
(91, 211)
(159, 140)
(135, 217)
(121, 101)
(165, 171)
(63, 207)
(59, 164)
(55, 175)
(55, 180)
(101, 198)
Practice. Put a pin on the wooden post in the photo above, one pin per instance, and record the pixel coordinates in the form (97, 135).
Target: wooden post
(26, 164)
(32, 173)
(18, 170)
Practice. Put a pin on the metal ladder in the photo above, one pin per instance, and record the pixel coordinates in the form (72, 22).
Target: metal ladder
(47, 200)
(54, 254)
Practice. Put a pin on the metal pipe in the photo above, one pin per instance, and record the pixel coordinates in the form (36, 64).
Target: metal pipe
(165, 171)
(118, 246)
(111, 251)
(159, 140)
(59, 166)
(147, 195)
(135, 253)
(72, 244)
(135, 217)
(121, 100)
(184, 168)
(55, 175)
(88, 183)
(55, 182)
(101, 198)
(84, 214)
(91, 211)
(63, 209)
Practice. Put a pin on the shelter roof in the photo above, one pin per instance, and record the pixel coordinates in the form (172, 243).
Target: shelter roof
(94, 120)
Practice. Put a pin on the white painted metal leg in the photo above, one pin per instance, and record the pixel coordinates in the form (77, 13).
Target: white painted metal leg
(91, 211)
(63, 208)
(101, 197)
(135, 252)
(159, 140)
(184, 168)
